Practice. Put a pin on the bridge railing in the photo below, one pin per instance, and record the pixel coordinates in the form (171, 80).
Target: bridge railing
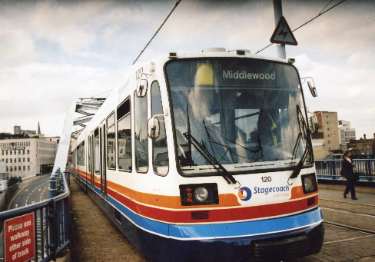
(38, 232)
(330, 169)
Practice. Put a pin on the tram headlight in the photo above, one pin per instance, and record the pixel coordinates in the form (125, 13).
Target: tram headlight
(309, 183)
(199, 194)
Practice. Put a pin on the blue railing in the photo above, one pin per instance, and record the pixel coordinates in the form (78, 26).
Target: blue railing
(51, 223)
(330, 169)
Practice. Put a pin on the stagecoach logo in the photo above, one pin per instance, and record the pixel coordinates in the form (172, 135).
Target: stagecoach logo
(244, 75)
(244, 193)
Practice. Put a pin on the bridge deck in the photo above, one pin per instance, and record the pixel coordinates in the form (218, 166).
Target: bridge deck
(94, 238)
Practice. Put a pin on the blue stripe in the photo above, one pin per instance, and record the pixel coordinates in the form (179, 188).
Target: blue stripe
(220, 230)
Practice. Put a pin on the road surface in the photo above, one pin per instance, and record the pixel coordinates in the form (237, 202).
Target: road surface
(31, 191)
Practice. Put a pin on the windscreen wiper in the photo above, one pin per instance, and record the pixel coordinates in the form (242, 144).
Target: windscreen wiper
(304, 133)
(210, 158)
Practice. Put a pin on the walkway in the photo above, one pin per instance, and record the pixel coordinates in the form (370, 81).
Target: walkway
(94, 238)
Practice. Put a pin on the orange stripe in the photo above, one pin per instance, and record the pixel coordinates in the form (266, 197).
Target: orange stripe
(297, 192)
(225, 200)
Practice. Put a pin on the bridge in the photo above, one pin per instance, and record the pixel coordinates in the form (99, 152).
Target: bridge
(67, 224)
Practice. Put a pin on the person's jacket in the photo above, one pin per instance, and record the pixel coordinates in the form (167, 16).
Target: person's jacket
(347, 169)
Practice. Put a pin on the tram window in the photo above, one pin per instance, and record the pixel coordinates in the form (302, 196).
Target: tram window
(96, 152)
(89, 154)
(140, 133)
(124, 136)
(111, 142)
(81, 154)
(160, 159)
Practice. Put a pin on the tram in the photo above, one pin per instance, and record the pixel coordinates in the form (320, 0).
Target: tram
(206, 157)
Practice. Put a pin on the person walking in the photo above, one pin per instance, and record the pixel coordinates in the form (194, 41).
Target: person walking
(347, 172)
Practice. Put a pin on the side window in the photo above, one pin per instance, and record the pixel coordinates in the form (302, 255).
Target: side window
(140, 133)
(96, 152)
(124, 136)
(160, 159)
(80, 154)
(111, 142)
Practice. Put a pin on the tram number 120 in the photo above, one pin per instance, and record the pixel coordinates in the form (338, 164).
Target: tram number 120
(266, 179)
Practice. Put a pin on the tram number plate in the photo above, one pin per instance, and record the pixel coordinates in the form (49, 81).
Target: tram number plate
(266, 179)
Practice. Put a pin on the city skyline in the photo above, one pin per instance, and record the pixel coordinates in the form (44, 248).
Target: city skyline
(50, 60)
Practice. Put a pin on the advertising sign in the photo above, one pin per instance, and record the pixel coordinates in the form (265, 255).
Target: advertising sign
(19, 238)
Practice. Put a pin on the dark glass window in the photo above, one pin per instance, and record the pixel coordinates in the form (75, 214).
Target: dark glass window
(160, 159)
(80, 155)
(140, 133)
(96, 152)
(124, 136)
(111, 142)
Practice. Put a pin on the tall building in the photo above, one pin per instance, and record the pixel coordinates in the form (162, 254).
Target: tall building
(25, 154)
(325, 129)
(346, 134)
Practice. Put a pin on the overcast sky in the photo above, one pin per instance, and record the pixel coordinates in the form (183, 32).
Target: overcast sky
(54, 51)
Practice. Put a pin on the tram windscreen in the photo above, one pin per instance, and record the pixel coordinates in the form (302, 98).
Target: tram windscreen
(241, 112)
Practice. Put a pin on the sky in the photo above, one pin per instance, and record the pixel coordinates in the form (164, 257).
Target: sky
(55, 51)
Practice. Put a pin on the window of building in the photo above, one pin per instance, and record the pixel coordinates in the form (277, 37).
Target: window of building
(28, 159)
(23, 159)
(6, 160)
(10, 152)
(28, 151)
(28, 168)
(19, 168)
(124, 136)
(160, 159)
(6, 152)
(6, 169)
(10, 160)
(11, 169)
(23, 168)
(15, 160)
(111, 142)
(140, 133)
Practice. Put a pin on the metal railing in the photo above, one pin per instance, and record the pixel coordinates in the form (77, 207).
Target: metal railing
(330, 169)
(51, 220)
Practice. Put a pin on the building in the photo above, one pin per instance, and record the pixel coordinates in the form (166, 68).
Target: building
(27, 156)
(324, 126)
(346, 133)
(3, 177)
(363, 147)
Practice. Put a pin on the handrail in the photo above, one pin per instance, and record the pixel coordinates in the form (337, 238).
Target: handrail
(52, 219)
(21, 210)
(330, 169)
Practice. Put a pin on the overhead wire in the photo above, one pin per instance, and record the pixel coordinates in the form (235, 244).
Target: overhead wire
(157, 31)
(321, 12)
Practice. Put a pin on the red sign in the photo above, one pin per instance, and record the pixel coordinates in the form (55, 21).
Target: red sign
(19, 238)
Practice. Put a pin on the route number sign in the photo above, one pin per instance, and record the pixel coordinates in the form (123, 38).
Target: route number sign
(19, 238)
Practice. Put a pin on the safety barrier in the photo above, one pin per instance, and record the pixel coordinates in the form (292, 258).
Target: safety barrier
(38, 232)
(330, 169)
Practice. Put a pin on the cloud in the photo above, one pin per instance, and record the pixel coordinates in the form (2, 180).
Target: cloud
(346, 89)
(53, 51)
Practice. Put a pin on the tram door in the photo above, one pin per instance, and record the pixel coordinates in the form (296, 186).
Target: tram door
(103, 157)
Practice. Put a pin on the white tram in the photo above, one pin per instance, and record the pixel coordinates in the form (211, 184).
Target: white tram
(206, 156)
